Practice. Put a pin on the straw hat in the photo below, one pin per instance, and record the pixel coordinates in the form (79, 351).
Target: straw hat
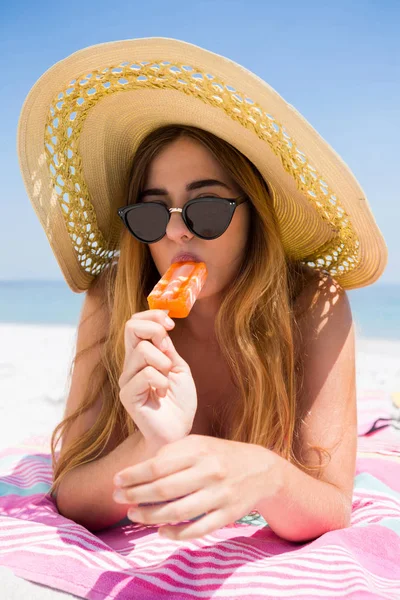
(82, 121)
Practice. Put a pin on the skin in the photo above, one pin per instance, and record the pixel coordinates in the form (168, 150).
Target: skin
(178, 165)
(214, 482)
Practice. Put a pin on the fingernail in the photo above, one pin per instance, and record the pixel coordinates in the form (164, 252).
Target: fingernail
(119, 496)
(169, 322)
(118, 481)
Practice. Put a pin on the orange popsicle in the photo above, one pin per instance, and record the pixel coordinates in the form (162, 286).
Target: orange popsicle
(178, 288)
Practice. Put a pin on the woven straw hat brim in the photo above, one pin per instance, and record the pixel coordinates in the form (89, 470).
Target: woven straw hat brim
(82, 121)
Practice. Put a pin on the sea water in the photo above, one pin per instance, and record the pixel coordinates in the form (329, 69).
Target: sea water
(375, 309)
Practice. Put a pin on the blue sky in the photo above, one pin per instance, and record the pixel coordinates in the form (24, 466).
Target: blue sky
(337, 62)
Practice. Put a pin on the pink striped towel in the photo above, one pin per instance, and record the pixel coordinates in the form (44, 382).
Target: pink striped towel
(246, 560)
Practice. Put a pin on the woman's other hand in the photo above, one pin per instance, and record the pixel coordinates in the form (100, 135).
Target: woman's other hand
(213, 482)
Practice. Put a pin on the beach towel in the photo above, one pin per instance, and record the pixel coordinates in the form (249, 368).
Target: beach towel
(243, 560)
(378, 416)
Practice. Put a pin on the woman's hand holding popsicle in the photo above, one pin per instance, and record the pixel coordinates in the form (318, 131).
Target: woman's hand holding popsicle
(156, 384)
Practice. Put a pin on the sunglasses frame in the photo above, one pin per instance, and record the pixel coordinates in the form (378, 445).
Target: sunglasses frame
(233, 203)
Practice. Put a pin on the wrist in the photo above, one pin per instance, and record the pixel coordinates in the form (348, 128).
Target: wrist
(273, 479)
(153, 444)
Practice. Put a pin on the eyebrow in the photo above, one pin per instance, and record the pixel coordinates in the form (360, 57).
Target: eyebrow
(195, 185)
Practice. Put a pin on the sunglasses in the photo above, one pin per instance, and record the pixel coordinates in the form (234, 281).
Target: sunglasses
(207, 218)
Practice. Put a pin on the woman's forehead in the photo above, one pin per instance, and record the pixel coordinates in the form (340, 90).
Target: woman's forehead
(185, 163)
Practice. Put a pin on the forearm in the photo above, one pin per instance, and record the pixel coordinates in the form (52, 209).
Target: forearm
(85, 494)
(304, 507)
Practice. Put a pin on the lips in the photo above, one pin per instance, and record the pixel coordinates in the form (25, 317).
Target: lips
(185, 257)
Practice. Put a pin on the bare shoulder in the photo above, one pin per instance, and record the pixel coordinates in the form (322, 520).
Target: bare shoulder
(324, 331)
(326, 395)
(319, 290)
(321, 303)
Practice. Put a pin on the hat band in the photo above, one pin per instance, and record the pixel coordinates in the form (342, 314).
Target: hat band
(70, 109)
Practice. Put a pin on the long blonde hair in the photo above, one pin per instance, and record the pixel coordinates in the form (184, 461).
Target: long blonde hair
(255, 325)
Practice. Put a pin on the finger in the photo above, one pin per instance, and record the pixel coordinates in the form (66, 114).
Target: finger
(182, 509)
(154, 468)
(137, 330)
(199, 527)
(145, 354)
(154, 326)
(168, 488)
(155, 314)
(140, 385)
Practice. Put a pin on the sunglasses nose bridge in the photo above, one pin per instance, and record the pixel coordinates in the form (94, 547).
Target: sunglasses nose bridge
(176, 210)
(180, 210)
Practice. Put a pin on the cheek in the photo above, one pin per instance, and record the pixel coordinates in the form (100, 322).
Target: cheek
(229, 248)
(238, 234)
(158, 256)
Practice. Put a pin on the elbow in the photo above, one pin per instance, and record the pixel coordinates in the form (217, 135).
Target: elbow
(347, 511)
(89, 520)
(68, 504)
(340, 519)
(90, 514)
(344, 511)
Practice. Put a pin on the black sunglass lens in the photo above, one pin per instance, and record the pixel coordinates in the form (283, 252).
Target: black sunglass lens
(147, 222)
(209, 219)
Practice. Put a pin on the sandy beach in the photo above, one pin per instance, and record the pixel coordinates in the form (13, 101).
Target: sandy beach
(34, 366)
(35, 361)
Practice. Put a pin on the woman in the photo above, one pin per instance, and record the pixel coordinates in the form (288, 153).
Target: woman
(250, 402)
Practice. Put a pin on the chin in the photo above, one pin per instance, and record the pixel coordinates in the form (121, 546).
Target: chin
(209, 292)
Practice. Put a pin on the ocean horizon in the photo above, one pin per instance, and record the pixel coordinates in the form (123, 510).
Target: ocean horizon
(375, 309)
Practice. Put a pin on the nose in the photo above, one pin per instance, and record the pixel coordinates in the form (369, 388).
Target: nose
(176, 227)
